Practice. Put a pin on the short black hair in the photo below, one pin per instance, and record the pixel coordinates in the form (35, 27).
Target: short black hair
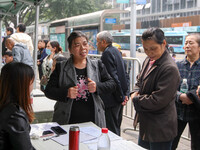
(45, 42)
(155, 34)
(74, 35)
(10, 29)
(22, 27)
(8, 52)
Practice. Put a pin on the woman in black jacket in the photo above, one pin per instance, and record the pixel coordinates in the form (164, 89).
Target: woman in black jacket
(16, 83)
(77, 83)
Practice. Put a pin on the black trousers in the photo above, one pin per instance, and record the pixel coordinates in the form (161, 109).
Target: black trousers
(40, 76)
(114, 118)
(40, 71)
(194, 127)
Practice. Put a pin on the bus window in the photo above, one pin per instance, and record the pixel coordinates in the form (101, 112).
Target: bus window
(121, 39)
(139, 39)
(174, 39)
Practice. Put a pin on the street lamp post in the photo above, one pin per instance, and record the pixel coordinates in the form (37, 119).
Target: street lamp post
(133, 37)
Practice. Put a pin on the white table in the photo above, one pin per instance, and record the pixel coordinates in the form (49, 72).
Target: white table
(118, 144)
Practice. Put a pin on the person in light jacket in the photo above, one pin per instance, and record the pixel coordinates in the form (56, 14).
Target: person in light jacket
(155, 93)
(22, 37)
(76, 84)
(20, 52)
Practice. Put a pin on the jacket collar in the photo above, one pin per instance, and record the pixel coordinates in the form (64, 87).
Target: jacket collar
(185, 61)
(70, 69)
(157, 63)
(110, 45)
(162, 58)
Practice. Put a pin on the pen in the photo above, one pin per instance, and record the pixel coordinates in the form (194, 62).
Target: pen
(50, 137)
(47, 135)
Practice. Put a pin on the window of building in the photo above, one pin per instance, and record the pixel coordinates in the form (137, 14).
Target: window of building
(138, 12)
(176, 6)
(195, 3)
(164, 5)
(183, 4)
(158, 5)
(153, 6)
(127, 14)
(170, 7)
(147, 11)
(176, 1)
(190, 3)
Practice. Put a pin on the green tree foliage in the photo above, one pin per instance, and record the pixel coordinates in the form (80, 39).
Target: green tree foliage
(57, 9)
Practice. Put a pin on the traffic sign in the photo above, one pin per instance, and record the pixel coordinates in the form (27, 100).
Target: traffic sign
(110, 20)
(122, 1)
(141, 2)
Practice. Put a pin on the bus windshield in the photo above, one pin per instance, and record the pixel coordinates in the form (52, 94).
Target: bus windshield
(121, 39)
(174, 39)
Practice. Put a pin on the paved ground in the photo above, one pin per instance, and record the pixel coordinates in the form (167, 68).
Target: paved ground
(133, 135)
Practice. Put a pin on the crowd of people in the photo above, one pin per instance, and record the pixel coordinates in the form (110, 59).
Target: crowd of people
(94, 90)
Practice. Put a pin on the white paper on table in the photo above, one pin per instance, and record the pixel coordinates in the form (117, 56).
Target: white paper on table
(97, 132)
(64, 139)
(39, 128)
(92, 146)
(91, 131)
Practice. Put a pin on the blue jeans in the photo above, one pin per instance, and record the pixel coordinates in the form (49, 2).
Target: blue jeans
(155, 145)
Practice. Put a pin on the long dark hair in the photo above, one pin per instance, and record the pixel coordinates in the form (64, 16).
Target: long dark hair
(15, 80)
(56, 45)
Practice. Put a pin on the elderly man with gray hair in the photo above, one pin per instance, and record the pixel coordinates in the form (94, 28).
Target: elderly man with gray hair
(115, 66)
(20, 52)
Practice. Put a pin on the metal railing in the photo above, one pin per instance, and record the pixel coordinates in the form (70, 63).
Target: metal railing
(132, 69)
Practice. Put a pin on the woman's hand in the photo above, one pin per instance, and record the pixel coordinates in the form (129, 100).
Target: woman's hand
(198, 91)
(91, 86)
(125, 100)
(185, 99)
(134, 95)
(72, 92)
(38, 62)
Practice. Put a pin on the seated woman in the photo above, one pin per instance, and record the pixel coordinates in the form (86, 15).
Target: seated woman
(77, 83)
(16, 84)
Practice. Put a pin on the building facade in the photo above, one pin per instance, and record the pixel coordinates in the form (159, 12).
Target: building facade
(164, 13)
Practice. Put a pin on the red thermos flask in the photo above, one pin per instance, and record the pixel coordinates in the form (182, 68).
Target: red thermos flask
(74, 138)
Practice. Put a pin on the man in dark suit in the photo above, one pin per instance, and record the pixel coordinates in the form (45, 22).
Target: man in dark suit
(114, 63)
